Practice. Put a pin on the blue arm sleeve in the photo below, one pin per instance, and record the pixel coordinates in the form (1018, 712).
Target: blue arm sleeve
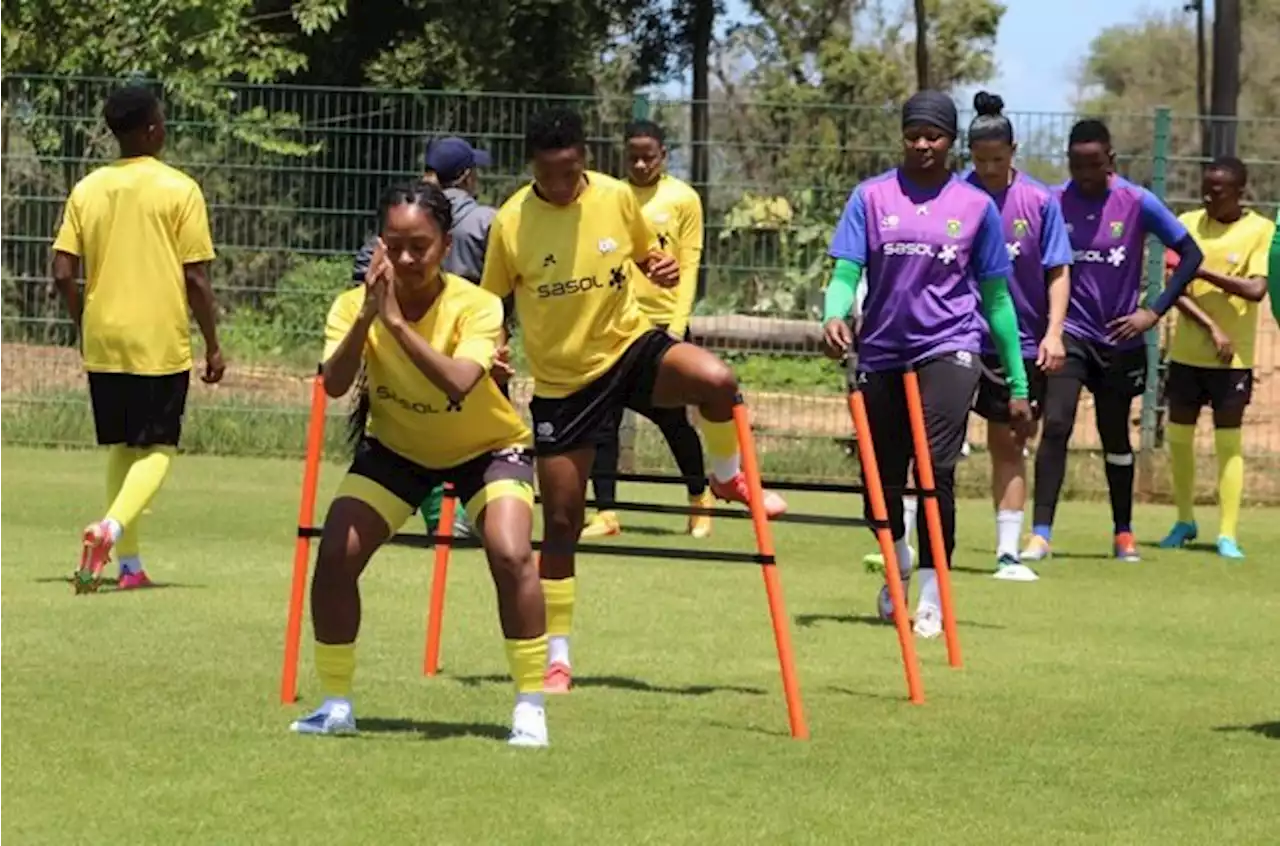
(1189, 258)
(990, 256)
(1055, 244)
(850, 239)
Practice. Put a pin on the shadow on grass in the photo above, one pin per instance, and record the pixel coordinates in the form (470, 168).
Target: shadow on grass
(432, 730)
(862, 694)
(1193, 546)
(1267, 730)
(624, 683)
(750, 729)
(110, 585)
(808, 621)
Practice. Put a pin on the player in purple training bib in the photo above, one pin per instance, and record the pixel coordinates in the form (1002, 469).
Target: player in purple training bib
(1040, 254)
(932, 252)
(1108, 220)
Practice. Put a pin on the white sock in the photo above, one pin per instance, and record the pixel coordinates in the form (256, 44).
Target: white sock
(114, 529)
(558, 649)
(902, 548)
(130, 564)
(1008, 532)
(536, 700)
(929, 589)
(724, 469)
(910, 506)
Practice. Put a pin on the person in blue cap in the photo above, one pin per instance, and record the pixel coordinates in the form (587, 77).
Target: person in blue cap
(452, 164)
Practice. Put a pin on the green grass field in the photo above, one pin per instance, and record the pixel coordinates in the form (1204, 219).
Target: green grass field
(1108, 703)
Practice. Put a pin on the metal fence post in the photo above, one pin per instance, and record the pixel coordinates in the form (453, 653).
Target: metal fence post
(1155, 283)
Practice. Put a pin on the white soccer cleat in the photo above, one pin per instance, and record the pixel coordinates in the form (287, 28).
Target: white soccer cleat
(1010, 569)
(334, 716)
(1037, 549)
(928, 620)
(528, 727)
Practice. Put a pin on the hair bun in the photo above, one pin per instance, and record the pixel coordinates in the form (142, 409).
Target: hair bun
(985, 103)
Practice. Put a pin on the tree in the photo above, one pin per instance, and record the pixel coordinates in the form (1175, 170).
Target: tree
(922, 44)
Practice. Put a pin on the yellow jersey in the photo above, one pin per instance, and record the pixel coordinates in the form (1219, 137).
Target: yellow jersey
(135, 223)
(1232, 249)
(572, 270)
(408, 414)
(674, 210)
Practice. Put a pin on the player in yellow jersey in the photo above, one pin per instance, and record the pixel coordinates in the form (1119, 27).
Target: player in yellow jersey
(569, 247)
(674, 210)
(419, 343)
(1211, 357)
(139, 230)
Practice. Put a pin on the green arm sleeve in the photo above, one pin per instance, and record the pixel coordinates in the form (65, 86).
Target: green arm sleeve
(997, 307)
(842, 290)
(1273, 272)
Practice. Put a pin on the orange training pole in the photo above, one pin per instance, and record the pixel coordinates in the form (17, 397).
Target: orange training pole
(893, 573)
(435, 610)
(772, 584)
(302, 546)
(932, 514)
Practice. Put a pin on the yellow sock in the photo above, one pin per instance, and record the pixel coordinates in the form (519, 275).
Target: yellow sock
(141, 483)
(119, 459)
(1182, 455)
(336, 666)
(722, 449)
(1230, 452)
(528, 661)
(559, 595)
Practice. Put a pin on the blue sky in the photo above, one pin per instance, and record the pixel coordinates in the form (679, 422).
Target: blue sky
(1036, 73)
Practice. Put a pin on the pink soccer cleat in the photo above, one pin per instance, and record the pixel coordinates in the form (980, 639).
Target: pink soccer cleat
(95, 553)
(736, 490)
(133, 581)
(558, 678)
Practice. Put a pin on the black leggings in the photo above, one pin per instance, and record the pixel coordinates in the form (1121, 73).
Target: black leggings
(683, 441)
(947, 387)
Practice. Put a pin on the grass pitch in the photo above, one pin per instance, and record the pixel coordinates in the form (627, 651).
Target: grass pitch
(1108, 703)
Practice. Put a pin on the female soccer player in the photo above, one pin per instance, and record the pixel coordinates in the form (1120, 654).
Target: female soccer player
(933, 254)
(424, 341)
(568, 247)
(1211, 357)
(1108, 220)
(674, 210)
(1040, 254)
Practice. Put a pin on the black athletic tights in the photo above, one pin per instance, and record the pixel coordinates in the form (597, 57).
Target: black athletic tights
(685, 446)
(1112, 405)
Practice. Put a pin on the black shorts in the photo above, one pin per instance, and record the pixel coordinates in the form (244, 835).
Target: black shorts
(395, 486)
(666, 327)
(1105, 369)
(851, 359)
(1220, 388)
(138, 411)
(992, 402)
(947, 387)
(591, 416)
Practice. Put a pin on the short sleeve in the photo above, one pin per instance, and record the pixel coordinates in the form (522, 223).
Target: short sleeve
(497, 277)
(342, 316)
(479, 332)
(69, 233)
(195, 243)
(1055, 243)
(990, 255)
(644, 238)
(1159, 221)
(1258, 262)
(850, 239)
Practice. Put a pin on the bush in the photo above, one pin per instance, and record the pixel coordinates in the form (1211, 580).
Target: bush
(290, 322)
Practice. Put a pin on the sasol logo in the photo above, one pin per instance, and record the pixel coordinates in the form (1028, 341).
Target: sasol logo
(387, 395)
(1114, 256)
(946, 255)
(1014, 248)
(572, 286)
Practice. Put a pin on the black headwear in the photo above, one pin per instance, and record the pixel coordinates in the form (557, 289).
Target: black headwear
(933, 108)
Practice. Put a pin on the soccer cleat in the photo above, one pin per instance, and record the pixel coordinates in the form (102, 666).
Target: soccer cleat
(928, 620)
(1228, 548)
(1037, 549)
(736, 490)
(603, 525)
(134, 580)
(558, 678)
(1126, 548)
(95, 553)
(1180, 535)
(1010, 569)
(333, 717)
(700, 524)
(873, 562)
(884, 601)
(528, 726)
